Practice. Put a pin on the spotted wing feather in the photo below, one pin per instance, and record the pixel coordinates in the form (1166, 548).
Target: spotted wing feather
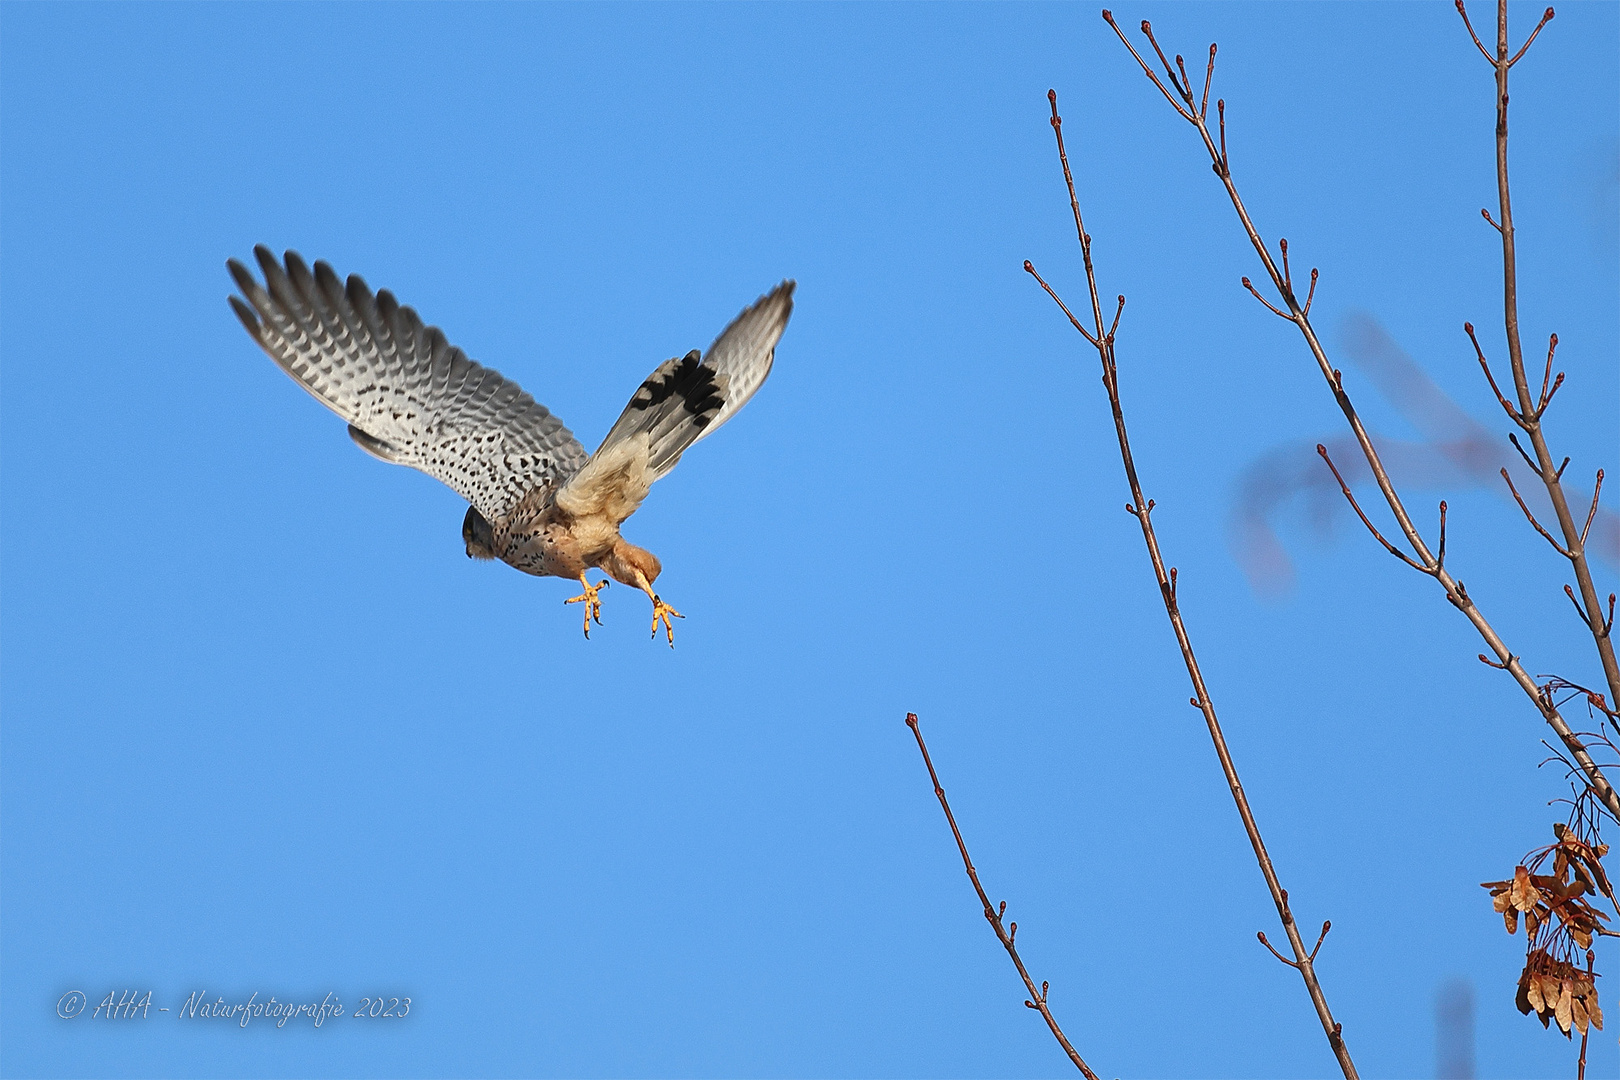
(408, 395)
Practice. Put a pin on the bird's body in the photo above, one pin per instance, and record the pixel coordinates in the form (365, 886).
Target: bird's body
(539, 503)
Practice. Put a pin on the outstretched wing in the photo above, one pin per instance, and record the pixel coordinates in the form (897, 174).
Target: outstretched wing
(409, 396)
(684, 400)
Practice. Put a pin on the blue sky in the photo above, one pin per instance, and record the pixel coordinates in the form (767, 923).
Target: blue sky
(266, 729)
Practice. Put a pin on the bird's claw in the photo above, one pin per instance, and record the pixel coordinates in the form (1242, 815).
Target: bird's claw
(593, 603)
(661, 614)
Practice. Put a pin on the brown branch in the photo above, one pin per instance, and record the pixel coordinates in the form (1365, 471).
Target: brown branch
(1528, 460)
(1592, 513)
(1247, 284)
(1104, 344)
(1546, 17)
(1029, 268)
(1344, 487)
(1440, 555)
(1463, 11)
(1605, 792)
(1569, 592)
(1574, 545)
(1209, 77)
(1109, 16)
(1261, 934)
(1326, 926)
(1532, 518)
(1546, 395)
(1485, 366)
(1037, 998)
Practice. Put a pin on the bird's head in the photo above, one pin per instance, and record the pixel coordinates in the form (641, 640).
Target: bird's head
(477, 534)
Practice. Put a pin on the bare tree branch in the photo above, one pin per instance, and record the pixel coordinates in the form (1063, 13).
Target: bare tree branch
(1037, 998)
(1142, 508)
(1454, 590)
(1574, 547)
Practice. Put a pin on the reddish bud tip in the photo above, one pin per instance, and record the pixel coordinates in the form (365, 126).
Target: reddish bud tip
(1468, 328)
(1051, 95)
(1029, 267)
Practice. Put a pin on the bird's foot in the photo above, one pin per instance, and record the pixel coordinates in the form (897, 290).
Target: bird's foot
(593, 604)
(661, 614)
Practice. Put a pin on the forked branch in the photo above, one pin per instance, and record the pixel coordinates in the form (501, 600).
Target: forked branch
(1525, 414)
(1532, 407)
(1141, 508)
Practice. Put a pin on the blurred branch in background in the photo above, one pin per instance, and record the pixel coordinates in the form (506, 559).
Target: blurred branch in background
(1454, 1031)
(1456, 451)
(1141, 508)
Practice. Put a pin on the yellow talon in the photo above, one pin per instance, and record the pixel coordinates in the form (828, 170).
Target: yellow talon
(593, 604)
(661, 611)
(661, 614)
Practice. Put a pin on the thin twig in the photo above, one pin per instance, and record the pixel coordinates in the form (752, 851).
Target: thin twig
(1389, 547)
(1580, 1067)
(1569, 592)
(1209, 77)
(1459, 597)
(1485, 366)
(1535, 467)
(1463, 11)
(1546, 17)
(1532, 518)
(1326, 926)
(1440, 556)
(1261, 934)
(1592, 513)
(1546, 395)
(1247, 284)
(1574, 544)
(1142, 507)
(1037, 998)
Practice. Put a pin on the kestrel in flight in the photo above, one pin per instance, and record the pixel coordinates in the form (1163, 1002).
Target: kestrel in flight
(539, 502)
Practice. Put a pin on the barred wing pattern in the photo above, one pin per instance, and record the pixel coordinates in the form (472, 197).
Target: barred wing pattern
(409, 396)
(688, 397)
(746, 349)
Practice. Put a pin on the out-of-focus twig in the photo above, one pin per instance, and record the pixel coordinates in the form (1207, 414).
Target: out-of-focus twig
(1142, 508)
(1037, 998)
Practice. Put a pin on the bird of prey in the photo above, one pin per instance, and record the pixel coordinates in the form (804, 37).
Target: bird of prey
(539, 502)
